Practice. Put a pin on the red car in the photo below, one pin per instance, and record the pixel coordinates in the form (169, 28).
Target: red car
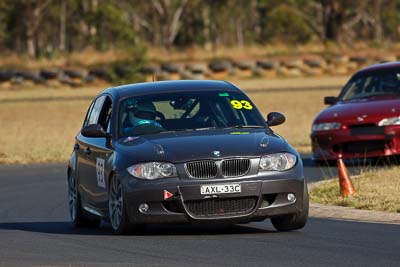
(364, 120)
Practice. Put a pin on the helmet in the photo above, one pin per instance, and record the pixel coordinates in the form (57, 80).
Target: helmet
(145, 110)
(145, 107)
(142, 113)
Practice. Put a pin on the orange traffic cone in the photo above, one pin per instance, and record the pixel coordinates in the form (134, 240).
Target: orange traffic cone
(346, 186)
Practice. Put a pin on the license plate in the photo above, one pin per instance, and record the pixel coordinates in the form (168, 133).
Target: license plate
(220, 189)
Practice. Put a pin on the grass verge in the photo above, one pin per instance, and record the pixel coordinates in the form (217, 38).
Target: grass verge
(375, 190)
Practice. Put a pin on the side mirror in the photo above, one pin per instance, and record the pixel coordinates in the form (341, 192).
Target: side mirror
(330, 100)
(93, 130)
(275, 118)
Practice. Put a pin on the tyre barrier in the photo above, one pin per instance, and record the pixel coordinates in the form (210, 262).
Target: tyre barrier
(74, 74)
(6, 75)
(48, 74)
(99, 74)
(197, 68)
(220, 66)
(215, 69)
(171, 68)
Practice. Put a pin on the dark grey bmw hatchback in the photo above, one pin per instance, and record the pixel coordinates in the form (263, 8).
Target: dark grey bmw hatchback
(183, 152)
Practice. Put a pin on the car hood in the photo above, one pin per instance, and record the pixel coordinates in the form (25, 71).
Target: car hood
(360, 111)
(194, 145)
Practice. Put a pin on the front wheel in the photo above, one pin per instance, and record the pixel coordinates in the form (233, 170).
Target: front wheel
(117, 209)
(290, 222)
(77, 214)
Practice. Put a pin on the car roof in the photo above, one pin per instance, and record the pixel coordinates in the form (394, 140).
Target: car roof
(382, 67)
(169, 86)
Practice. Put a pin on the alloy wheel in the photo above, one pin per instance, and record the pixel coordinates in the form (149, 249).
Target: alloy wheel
(115, 203)
(72, 196)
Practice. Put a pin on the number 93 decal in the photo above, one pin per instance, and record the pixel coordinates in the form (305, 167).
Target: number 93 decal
(239, 104)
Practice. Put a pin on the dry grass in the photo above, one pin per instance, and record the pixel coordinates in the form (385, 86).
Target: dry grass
(271, 50)
(43, 131)
(90, 56)
(376, 190)
(249, 51)
(83, 58)
(40, 131)
(38, 92)
(297, 82)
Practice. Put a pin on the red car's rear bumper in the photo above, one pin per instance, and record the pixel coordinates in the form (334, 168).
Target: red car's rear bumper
(362, 142)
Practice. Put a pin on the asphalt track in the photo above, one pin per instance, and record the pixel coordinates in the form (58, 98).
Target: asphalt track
(34, 230)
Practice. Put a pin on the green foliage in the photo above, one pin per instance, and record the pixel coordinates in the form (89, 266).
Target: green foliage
(10, 29)
(35, 27)
(128, 70)
(391, 21)
(284, 24)
(112, 24)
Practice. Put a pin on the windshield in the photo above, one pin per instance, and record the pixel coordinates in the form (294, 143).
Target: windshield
(182, 111)
(371, 85)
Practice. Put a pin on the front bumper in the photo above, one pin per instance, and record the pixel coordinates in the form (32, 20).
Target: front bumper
(328, 145)
(259, 199)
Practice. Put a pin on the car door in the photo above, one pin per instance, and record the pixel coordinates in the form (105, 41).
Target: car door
(101, 154)
(86, 165)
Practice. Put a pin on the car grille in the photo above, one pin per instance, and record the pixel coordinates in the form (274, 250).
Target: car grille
(366, 129)
(209, 169)
(221, 207)
(364, 146)
(202, 169)
(235, 167)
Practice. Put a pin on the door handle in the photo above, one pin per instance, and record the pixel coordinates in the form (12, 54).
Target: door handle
(87, 151)
(76, 147)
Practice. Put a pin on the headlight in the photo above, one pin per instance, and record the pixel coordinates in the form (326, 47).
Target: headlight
(390, 121)
(277, 162)
(326, 126)
(153, 170)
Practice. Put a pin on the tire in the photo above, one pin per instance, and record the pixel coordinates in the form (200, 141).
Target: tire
(290, 222)
(219, 65)
(6, 75)
(117, 210)
(77, 214)
(48, 74)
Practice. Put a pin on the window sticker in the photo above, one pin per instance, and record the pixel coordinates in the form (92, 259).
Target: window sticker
(100, 172)
(239, 104)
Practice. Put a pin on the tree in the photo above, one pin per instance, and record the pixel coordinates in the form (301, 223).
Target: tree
(63, 26)
(45, 27)
(32, 17)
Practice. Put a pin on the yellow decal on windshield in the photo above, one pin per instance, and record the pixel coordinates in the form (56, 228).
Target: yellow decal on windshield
(239, 104)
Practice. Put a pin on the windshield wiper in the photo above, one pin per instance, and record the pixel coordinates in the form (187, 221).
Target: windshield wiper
(186, 130)
(176, 130)
(375, 95)
(206, 128)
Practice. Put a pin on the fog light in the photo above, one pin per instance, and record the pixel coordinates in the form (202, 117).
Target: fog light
(291, 197)
(143, 207)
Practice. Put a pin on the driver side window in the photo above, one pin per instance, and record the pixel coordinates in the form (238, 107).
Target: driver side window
(105, 115)
(95, 111)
